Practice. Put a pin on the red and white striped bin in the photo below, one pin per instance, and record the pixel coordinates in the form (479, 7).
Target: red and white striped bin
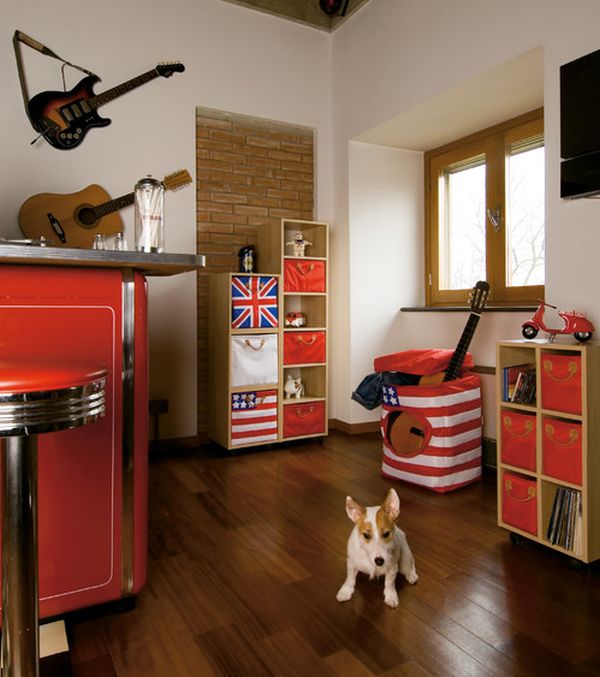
(431, 433)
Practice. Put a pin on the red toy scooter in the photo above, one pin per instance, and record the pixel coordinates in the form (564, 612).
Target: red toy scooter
(575, 323)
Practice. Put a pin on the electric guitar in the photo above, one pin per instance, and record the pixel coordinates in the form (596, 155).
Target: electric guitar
(405, 432)
(64, 118)
(73, 219)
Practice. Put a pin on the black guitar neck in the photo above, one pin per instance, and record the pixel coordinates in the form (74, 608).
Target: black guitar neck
(457, 359)
(123, 88)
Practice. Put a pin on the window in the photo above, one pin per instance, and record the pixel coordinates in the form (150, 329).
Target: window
(485, 214)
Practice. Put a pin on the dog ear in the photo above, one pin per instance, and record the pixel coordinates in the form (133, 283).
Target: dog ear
(353, 509)
(391, 505)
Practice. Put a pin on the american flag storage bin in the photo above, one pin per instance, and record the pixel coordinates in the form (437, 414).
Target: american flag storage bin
(254, 360)
(254, 302)
(432, 433)
(253, 418)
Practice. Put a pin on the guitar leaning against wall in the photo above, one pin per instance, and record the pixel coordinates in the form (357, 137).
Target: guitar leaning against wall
(73, 219)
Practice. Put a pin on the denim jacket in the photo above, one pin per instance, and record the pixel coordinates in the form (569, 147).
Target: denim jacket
(368, 393)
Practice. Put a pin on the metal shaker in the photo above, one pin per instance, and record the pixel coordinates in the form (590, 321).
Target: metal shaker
(149, 224)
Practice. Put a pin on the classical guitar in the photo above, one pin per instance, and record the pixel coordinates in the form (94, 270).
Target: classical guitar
(73, 219)
(406, 433)
(64, 118)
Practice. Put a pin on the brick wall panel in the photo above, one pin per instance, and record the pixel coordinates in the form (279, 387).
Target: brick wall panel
(249, 172)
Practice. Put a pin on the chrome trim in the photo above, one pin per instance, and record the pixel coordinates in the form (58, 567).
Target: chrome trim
(20, 615)
(48, 411)
(128, 375)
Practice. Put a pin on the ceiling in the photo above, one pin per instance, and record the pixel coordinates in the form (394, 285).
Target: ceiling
(302, 11)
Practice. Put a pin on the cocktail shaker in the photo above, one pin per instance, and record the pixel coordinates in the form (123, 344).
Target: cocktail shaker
(149, 215)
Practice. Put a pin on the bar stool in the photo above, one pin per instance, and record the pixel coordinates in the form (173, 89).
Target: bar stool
(37, 395)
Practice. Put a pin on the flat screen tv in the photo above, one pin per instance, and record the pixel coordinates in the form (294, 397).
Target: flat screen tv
(580, 126)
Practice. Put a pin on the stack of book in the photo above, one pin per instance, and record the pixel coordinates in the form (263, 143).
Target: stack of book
(564, 526)
(519, 384)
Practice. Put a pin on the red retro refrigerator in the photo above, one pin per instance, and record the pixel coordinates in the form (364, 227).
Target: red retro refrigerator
(92, 537)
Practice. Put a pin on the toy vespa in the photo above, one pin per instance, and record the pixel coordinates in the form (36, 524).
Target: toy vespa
(575, 323)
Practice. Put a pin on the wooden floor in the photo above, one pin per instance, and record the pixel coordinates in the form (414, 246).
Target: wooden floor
(247, 552)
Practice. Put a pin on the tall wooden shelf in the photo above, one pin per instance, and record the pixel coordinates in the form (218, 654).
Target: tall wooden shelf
(551, 443)
(302, 351)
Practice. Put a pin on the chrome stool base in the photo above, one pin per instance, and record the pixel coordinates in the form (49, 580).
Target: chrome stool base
(77, 399)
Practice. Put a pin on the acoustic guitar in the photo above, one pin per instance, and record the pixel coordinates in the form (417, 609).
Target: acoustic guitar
(406, 432)
(64, 118)
(73, 219)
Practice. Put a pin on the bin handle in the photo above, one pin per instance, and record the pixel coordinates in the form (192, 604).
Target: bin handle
(508, 423)
(530, 492)
(303, 413)
(311, 267)
(572, 371)
(248, 343)
(573, 436)
(307, 342)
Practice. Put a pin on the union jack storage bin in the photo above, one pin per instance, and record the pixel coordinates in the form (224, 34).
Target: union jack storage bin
(431, 433)
(254, 302)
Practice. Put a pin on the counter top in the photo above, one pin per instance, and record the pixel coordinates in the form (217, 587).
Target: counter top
(148, 264)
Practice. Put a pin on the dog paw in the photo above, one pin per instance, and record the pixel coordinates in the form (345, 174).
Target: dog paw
(412, 577)
(391, 599)
(344, 594)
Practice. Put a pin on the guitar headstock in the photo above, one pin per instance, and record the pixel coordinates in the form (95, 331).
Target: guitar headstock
(167, 68)
(177, 180)
(478, 296)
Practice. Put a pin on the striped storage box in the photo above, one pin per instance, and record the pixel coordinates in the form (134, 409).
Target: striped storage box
(432, 434)
(253, 418)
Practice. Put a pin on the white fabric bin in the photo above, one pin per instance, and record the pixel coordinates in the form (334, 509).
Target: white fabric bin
(254, 360)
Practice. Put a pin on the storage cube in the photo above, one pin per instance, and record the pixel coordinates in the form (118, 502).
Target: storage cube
(253, 417)
(302, 275)
(304, 347)
(561, 382)
(561, 449)
(518, 436)
(254, 360)
(254, 302)
(519, 502)
(307, 418)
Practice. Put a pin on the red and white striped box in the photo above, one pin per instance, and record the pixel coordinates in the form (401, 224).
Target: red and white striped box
(253, 418)
(446, 422)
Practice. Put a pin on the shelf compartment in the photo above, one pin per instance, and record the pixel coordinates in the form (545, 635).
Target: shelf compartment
(518, 439)
(314, 379)
(315, 233)
(519, 502)
(562, 518)
(314, 308)
(562, 449)
(561, 381)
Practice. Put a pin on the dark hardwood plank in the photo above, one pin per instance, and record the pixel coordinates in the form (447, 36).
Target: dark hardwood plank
(247, 551)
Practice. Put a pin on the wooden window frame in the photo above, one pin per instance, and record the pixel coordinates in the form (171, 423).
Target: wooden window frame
(493, 142)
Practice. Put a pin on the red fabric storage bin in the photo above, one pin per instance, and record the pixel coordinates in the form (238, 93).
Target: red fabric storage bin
(519, 502)
(303, 275)
(304, 347)
(561, 382)
(561, 449)
(307, 418)
(518, 437)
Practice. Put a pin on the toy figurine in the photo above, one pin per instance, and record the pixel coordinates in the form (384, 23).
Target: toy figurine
(298, 244)
(295, 320)
(575, 323)
(293, 387)
(247, 258)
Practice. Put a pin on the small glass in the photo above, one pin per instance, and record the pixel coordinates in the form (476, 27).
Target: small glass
(120, 243)
(99, 241)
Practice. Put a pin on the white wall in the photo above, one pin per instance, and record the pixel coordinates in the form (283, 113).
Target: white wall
(236, 60)
(394, 56)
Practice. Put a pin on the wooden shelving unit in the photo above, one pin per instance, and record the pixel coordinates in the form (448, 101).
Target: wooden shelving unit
(550, 444)
(301, 351)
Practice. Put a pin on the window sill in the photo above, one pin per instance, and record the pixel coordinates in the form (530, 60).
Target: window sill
(462, 309)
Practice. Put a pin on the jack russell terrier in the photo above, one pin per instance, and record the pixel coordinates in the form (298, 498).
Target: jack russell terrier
(377, 547)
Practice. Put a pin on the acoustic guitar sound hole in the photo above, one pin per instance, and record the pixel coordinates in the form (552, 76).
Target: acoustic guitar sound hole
(405, 433)
(87, 217)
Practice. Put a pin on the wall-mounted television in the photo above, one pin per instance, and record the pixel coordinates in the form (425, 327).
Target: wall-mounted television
(580, 127)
